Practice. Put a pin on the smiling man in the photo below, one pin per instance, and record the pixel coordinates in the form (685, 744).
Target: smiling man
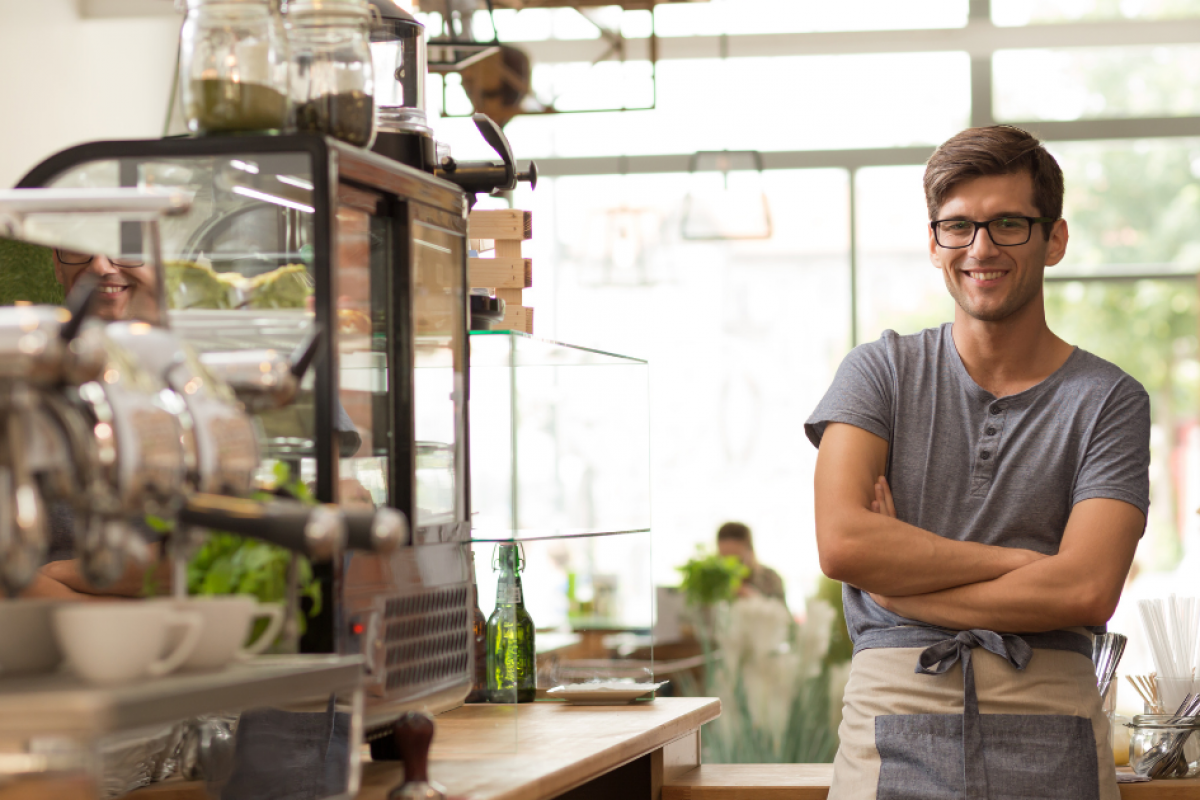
(980, 490)
(128, 287)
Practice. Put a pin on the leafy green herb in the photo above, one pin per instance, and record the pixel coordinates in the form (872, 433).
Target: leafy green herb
(229, 564)
(712, 578)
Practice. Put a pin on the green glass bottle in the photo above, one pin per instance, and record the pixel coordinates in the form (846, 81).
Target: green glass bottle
(511, 660)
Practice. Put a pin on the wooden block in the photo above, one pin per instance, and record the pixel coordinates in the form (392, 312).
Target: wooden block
(508, 249)
(501, 223)
(500, 273)
(517, 318)
(511, 297)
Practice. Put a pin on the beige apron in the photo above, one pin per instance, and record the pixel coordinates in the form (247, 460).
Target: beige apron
(1037, 732)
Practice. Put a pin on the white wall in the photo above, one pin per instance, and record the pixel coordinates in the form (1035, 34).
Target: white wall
(65, 79)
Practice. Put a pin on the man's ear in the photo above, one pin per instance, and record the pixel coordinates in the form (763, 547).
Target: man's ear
(933, 248)
(1056, 248)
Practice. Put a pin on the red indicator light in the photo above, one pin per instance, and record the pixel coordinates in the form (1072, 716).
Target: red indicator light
(357, 628)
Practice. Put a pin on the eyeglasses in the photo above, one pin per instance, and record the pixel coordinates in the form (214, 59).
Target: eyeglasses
(74, 259)
(955, 234)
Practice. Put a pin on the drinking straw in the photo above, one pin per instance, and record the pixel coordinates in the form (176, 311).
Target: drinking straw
(1182, 624)
(1134, 680)
(1155, 627)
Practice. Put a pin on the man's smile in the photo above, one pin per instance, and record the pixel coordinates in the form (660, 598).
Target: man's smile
(112, 288)
(985, 277)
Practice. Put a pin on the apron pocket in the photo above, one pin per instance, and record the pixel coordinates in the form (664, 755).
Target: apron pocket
(1028, 757)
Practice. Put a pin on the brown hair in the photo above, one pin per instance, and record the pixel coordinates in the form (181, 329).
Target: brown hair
(737, 532)
(995, 150)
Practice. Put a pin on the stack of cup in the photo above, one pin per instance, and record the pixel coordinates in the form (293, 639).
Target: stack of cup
(119, 642)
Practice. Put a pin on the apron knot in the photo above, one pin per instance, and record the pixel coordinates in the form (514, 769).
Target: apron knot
(939, 658)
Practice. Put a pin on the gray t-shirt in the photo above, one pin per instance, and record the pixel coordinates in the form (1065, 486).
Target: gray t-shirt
(968, 466)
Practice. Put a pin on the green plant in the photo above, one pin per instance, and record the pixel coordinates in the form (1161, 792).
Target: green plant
(229, 564)
(712, 578)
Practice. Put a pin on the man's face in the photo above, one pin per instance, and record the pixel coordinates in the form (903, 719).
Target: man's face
(123, 293)
(988, 282)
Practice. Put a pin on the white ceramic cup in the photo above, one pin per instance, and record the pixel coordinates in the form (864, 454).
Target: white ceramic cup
(121, 642)
(227, 622)
(27, 643)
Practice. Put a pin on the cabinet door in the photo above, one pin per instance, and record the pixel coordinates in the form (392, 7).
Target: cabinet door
(438, 254)
(361, 283)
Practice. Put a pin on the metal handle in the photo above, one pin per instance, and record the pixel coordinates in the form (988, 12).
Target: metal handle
(317, 531)
(376, 530)
(499, 142)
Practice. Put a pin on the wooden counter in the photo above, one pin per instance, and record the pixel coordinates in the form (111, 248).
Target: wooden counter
(555, 749)
(811, 782)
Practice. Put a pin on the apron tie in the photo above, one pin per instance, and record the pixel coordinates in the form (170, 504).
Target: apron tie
(937, 659)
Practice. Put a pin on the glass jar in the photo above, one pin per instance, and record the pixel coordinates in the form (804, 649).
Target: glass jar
(1153, 736)
(398, 54)
(332, 80)
(234, 66)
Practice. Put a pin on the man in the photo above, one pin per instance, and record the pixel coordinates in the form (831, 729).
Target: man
(127, 290)
(734, 539)
(977, 481)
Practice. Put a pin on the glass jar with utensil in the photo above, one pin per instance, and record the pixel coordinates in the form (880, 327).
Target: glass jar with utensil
(1164, 746)
(233, 66)
(332, 80)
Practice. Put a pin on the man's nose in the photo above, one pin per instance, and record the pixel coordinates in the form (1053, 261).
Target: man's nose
(983, 246)
(101, 266)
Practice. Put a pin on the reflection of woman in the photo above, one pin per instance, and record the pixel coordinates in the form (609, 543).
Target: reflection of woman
(128, 287)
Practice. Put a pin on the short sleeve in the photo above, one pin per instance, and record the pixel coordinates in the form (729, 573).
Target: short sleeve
(862, 393)
(1116, 463)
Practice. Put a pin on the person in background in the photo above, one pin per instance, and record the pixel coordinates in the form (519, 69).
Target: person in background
(127, 290)
(128, 287)
(735, 539)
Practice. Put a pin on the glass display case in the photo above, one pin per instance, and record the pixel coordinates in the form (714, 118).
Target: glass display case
(291, 235)
(560, 464)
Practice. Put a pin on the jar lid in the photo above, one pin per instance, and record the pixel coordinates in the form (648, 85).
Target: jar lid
(354, 9)
(1164, 722)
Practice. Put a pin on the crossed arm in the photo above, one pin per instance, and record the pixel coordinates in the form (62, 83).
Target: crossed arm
(920, 575)
(63, 580)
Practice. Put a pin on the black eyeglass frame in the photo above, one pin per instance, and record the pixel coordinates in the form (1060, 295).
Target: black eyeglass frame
(986, 224)
(116, 262)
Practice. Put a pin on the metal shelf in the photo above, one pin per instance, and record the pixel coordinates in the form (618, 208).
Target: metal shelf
(61, 704)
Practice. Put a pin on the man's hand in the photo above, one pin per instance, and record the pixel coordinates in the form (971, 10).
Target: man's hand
(877, 552)
(1079, 586)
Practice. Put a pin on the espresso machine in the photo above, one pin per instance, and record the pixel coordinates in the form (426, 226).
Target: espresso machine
(109, 418)
(287, 234)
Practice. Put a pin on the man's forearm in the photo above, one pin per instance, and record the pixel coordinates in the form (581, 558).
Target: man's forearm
(885, 556)
(130, 584)
(1035, 598)
(1080, 585)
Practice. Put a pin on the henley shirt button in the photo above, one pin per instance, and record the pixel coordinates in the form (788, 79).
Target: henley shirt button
(991, 431)
(985, 455)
